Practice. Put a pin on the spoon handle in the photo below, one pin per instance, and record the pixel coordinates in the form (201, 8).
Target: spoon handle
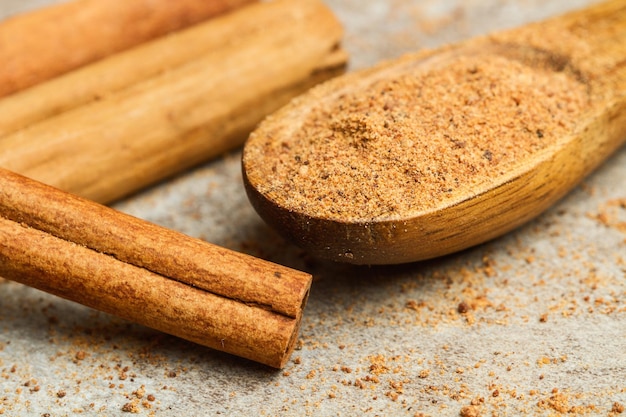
(591, 41)
(590, 45)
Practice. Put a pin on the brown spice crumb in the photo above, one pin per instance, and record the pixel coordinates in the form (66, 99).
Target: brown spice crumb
(372, 378)
(463, 307)
(470, 411)
(544, 360)
(131, 407)
(617, 408)
(140, 392)
(414, 305)
(61, 393)
(477, 401)
(392, 395)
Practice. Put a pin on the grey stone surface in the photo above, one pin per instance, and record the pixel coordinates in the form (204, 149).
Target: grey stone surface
(533, 323)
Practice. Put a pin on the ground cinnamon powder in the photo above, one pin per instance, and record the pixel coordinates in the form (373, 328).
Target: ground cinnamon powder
(403, 144)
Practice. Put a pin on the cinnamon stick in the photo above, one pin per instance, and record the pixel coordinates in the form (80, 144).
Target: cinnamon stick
(50, 41)
(116, 263)
(130, 136)
(118, 71)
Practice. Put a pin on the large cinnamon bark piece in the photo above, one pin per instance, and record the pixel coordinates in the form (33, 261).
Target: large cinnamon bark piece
(50, 41)
(115, 135)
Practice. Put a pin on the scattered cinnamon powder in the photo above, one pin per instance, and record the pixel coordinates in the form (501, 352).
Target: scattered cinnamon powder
(612, 214)
(413, 138)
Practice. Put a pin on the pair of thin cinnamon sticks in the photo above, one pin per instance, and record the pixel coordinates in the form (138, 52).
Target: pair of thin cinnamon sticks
(104, 259)
(122, 122)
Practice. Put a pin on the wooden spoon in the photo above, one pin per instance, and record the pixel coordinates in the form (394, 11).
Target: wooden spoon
(442, 150)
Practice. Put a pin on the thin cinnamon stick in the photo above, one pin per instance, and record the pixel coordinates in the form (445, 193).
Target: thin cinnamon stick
(148, 130)
(113, 262)
(118, 71)
(50, 41)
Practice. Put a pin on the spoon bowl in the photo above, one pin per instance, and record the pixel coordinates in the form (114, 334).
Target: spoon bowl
(442, 150)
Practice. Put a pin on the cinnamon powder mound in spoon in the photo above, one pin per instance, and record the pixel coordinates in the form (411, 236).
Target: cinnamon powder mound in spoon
(402, 144)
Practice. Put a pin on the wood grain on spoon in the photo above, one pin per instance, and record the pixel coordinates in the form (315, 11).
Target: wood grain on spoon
(442, 150)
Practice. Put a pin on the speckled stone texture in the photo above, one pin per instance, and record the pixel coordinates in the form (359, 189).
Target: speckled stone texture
(533, 323)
